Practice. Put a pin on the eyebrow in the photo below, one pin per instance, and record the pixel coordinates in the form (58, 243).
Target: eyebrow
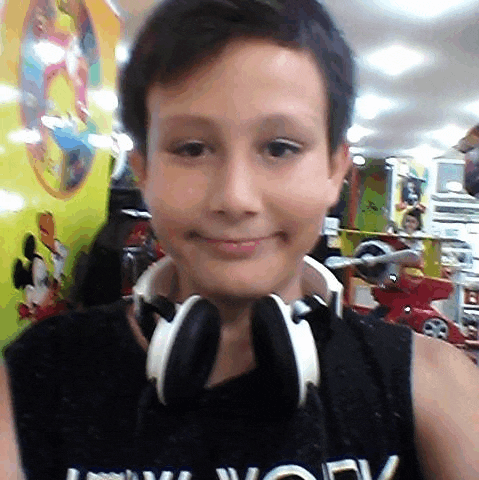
(187, 119)
(303, 122)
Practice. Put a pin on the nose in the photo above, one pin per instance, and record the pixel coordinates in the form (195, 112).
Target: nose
(236, 191)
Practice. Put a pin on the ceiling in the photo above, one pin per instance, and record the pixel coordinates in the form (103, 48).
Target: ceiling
(421, 112)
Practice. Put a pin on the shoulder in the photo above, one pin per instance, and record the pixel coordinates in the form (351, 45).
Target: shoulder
(55, 369)
(367, 367)
(46, 348)
(379, 353)
(65, 326)
(391, 342)
(445, 385)
(366, 341)
(9, 463)
(441, 372)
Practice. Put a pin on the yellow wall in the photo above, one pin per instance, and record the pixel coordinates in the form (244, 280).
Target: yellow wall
(26, 187)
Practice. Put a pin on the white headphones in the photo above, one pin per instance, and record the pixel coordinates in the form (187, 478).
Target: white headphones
(184, 343)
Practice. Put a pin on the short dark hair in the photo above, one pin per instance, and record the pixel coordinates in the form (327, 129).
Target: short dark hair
(416, 213)
(181, 34)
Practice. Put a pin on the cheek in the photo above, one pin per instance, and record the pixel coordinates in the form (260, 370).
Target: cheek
(306, 199)
(169, 187)
(175, 200)
(302, 217)
(304, 203)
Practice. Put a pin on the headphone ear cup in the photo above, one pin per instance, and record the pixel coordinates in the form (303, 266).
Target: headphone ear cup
(274, 353)
(192, 354)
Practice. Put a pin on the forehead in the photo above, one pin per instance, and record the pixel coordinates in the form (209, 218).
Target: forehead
(249, 77)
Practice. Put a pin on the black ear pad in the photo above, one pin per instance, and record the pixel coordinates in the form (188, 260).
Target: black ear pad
(193, 354)
(186, 347)
(274, 353)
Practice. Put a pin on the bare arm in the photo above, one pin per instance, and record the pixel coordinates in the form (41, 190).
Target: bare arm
(446, 408)
(9, 464)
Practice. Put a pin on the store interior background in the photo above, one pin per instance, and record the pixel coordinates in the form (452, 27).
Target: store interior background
(415, 118)
(418, 65)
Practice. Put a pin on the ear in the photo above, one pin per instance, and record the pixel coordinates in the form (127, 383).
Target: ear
(138, 164)
(29, 247)
(340, 165)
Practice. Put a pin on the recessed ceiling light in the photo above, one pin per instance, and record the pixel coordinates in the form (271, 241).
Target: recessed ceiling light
(448, 135)
(359, 160)
(391, 161)
(473, 108)
(356, 132)
(424, 152)
(369, 106)
(425, 9)
(395, 59)
(355, 150)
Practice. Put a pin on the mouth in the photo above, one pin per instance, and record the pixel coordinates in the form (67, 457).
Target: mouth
(240, 246)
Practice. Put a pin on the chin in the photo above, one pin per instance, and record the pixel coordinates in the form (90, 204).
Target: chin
(242, 284)
(235, 288)
(250, 278)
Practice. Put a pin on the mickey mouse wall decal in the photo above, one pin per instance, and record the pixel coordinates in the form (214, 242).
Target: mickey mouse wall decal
(41, 287)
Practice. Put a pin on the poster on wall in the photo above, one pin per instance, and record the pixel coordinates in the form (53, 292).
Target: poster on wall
(371, 215)
(410, 195)
(57, 103)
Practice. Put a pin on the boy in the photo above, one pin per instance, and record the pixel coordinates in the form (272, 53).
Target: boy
(238, 109)
(412, 226)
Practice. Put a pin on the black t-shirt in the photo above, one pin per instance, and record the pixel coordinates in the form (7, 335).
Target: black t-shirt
(85, 410)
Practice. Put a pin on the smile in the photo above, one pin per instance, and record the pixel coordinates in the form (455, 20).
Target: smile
(235, 245)
(238, 247)
(237, 242)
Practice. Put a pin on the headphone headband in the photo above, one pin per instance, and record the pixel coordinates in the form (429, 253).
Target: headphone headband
(316, 280)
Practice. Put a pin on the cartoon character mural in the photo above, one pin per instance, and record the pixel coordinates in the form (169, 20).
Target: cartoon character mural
(371, 216)
(57, 104)
(41, 286)
(59, 60)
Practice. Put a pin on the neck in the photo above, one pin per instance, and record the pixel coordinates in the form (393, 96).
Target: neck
(235, 351)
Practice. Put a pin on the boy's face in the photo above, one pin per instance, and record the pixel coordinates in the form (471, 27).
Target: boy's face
(411, 224)
(238, 178)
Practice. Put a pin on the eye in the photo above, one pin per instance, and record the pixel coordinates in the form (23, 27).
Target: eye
(190, 149)
(281, 148)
